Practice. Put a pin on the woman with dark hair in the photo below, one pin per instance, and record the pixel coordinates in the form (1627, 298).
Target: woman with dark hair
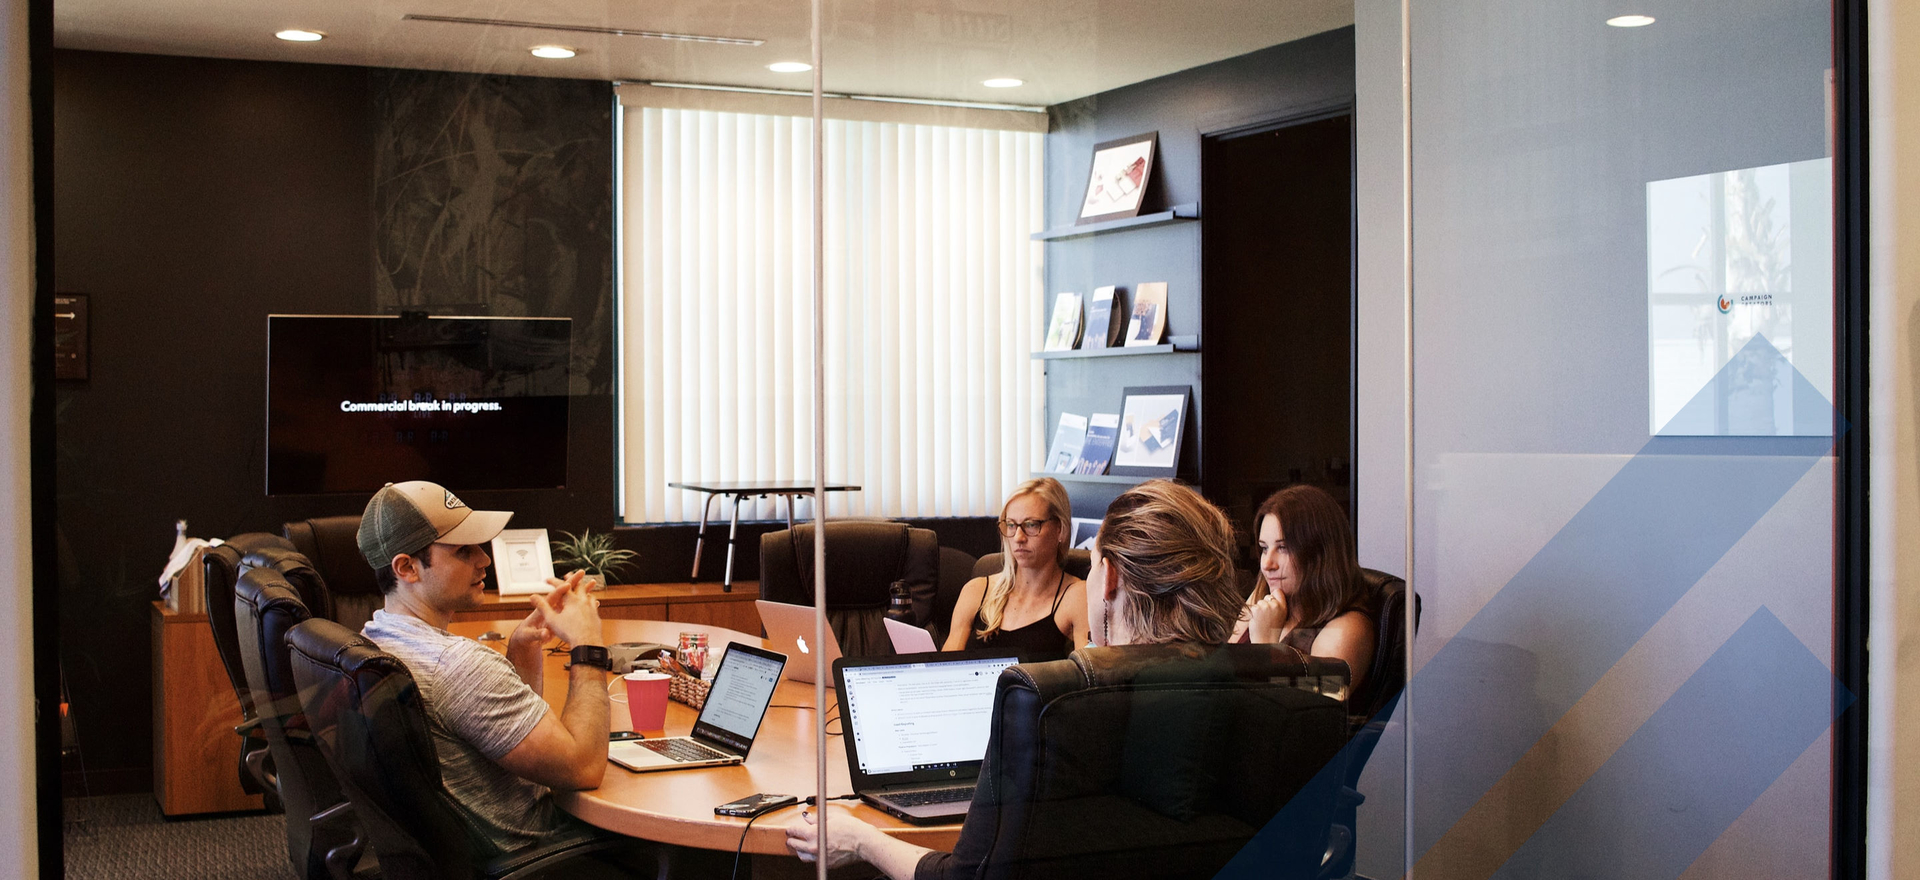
(1309, 597)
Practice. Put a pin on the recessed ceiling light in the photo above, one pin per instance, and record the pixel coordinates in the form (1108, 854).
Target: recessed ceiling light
(1004, 82)
(552, 52)
(1631, 21)
(789, 67)
(295, 35)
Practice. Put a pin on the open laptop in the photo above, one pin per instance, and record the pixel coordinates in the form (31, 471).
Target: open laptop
(790, 627)
(910, 639)
(916, 729)
(724, 732)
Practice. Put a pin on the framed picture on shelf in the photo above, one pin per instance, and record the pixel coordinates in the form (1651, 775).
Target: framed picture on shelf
(1152, 420)
(1084, 531)
(1118, 182)
(523, 560)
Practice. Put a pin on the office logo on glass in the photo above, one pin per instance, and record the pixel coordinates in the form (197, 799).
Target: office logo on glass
(1726, 302)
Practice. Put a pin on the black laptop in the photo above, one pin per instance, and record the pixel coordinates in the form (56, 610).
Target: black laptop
(916, 728)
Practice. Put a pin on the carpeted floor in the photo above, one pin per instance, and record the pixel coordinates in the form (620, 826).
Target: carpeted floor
(124, 836)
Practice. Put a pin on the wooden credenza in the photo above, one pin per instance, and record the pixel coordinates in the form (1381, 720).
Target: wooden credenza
(196, 753)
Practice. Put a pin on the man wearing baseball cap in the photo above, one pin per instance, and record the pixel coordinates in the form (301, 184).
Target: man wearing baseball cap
(501, 747)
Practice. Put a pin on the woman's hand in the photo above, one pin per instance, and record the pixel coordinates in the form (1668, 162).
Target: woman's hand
(843, 843)
(1269, 619)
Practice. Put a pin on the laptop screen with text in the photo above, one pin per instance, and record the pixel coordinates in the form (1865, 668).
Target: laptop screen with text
(921, 716)
(741, 691)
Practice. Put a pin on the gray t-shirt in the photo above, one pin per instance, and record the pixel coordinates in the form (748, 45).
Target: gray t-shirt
(478, 710)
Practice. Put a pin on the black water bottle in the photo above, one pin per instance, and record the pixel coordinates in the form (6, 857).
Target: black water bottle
(899, 604)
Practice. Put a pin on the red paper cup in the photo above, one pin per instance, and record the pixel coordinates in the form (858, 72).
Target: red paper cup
(647, 700)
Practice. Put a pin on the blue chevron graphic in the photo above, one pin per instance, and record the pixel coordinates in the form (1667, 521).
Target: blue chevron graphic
(1593, 591)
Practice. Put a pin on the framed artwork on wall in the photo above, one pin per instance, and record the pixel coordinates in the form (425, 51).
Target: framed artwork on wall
(1153, 418)
(1117, 184)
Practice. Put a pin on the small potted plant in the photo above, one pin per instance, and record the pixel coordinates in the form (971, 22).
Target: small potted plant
(593, 554)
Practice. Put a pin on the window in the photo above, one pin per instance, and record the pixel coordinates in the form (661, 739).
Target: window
(932, 286)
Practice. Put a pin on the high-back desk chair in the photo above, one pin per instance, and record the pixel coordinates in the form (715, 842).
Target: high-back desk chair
(323, 842)
(1156, 761)
(220, 567)
(367, 716)
(864, 558)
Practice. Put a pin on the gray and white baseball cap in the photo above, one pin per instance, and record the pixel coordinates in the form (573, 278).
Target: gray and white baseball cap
(404, 517)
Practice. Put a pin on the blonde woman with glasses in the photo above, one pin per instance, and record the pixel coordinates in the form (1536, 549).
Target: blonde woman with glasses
(1031, 603)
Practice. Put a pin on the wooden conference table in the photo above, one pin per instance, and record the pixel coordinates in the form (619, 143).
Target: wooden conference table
(676, 806)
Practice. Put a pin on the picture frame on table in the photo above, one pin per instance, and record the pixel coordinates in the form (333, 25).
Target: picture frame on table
(1153, 422)
(1084, 531)
(522, 561)
(1117, 182)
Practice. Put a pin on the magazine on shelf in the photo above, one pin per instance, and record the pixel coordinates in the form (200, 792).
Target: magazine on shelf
(1063, 332)
(1103, 429)
(1149, 314)
(1106, 318)
(1067, 440)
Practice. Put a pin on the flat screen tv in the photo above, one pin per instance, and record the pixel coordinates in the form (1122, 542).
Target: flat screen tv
(355, 402)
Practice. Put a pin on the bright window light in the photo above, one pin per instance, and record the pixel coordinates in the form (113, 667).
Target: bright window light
(295, 35)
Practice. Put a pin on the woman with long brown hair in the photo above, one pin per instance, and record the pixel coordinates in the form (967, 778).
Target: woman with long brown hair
(1031, 603)
(1310, 594)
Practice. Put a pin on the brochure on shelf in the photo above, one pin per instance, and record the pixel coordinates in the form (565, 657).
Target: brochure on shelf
(1103, 430)
(1149, 314)
(1063, 332)
(1106, 318)
(1068, 439)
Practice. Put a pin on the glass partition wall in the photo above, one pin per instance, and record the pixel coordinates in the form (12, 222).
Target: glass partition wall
(1102, 244)
(1623, 487)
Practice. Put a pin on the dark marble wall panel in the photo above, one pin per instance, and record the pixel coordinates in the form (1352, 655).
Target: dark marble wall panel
(493, 195)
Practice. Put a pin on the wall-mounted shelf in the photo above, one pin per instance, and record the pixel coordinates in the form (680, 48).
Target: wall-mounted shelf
(1107, 478)
(1176, 214)
(1162, 348)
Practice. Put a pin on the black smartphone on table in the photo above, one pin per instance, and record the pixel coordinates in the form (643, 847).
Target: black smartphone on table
(755, 804)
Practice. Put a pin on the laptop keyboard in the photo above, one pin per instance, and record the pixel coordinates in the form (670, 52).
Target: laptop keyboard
(932, 796)
(681, 750)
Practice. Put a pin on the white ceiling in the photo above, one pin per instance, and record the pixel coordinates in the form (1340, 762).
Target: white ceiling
(942, 49)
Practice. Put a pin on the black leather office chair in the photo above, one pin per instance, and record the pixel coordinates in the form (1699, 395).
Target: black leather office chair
(220, 567)
(956, 568)
(323, 841)
(1160, 761)
(367, 716)
(1077, 563)
(332, 545)
(864, 558)
(1371, 701)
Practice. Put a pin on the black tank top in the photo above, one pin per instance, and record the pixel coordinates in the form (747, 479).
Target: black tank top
(1040, 636)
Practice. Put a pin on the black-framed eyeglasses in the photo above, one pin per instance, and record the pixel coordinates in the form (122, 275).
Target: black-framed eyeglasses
(1032, 527)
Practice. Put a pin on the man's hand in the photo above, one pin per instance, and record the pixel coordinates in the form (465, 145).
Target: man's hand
(525, 649)
(570, 612)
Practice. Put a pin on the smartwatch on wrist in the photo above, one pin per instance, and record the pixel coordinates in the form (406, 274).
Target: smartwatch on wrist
(591, 655)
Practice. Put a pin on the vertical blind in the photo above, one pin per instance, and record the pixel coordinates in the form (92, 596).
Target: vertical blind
(932, 301)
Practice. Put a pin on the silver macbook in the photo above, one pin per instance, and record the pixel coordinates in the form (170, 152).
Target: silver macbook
(909, 639)
(917, 728)
(790, 628)
(724, 732)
